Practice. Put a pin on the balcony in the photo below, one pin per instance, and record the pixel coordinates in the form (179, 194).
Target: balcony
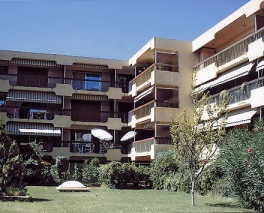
(50, 82)
(143, 112)
(145, 76)
(232, 52)
(239, 93)
(150, 147)
(92, 116)
(80, 149)
(29, 114)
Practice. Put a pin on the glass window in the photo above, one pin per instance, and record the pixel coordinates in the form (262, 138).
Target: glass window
(93, 82)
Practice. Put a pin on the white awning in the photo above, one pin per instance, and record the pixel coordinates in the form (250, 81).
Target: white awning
(144, 94)
(240, 117)
(33, 96)
(260, 66)
(242, 71)
(229, 76)
(20, 128)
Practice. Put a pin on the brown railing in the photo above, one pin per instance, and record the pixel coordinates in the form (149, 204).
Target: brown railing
(145, 145)
(232, 52)
(146, 74)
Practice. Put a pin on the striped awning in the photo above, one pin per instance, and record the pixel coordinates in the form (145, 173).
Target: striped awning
(260, 65)
(33, 96)
(15, 128)
(226, 77)
(238, 117)
(144, 94)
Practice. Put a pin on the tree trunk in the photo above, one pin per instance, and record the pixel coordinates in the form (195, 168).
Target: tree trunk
(192, 190)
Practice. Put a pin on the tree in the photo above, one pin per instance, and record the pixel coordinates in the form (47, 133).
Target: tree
(12, 169)
(196, 136)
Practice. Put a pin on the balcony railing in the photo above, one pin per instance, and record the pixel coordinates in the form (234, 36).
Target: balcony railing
(26, 113)
(92, 116)
(146, 74)
(169, 104)
(145, 109)
(232, 52)
(145, 145)
(239, 93)
(50, 82)
(81, 147)
(141, 111)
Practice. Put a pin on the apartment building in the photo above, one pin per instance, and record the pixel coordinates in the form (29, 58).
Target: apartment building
(59, 101)
(230, 58)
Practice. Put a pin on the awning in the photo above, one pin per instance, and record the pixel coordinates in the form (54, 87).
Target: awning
(15, 128)
(229, 76)
(33, 96)
(260, 66)
(144, 94)
(242, 71)
(240, 117)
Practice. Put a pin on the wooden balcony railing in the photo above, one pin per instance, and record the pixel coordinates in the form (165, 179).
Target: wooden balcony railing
(232, 52)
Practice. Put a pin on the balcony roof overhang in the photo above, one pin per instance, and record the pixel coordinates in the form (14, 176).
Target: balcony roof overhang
(242, 20)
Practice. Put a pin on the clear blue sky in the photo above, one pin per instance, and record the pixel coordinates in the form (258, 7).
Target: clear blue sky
(114, 29)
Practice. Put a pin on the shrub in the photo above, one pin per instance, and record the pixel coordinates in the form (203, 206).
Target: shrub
(90, 172)
(110, 174)
(242, 163)
(210, 178)
(124, 175)
(57, 172)
(164, 166)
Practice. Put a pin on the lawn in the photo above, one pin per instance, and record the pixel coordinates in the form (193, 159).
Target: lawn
(101, 199)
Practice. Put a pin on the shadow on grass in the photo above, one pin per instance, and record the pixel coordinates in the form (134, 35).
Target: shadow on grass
(31, 199)
(223, 205)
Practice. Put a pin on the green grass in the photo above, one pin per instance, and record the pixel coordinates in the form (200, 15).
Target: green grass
(101, 199)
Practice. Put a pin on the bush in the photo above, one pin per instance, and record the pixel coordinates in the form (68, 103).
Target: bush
(180, 181)
(210, 181)
(57, 172)
(90, 172)
(124, 175)
(242, 163)
(164, 166)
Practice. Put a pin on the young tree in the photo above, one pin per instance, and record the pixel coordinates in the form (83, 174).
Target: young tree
(196, 136)
(12, 169)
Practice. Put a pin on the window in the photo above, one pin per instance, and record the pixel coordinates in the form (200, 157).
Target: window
(86, 81)
(93, 82)
(3, 70)
(2, 101)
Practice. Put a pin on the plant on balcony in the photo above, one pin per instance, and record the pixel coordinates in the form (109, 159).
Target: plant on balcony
(196, 136)
(243, 86)
(12, 169)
